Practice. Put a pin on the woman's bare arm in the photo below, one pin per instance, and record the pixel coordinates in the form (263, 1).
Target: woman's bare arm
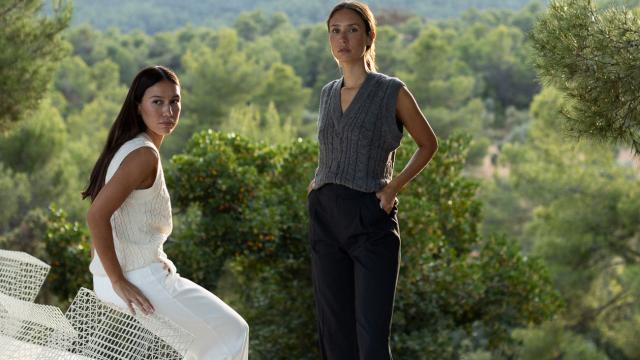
(414, 121)
(137, 171)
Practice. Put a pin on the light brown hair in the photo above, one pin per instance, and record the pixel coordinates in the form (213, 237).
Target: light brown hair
(370, 26)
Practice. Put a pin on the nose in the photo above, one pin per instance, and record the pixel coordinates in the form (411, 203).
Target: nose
(167, 110)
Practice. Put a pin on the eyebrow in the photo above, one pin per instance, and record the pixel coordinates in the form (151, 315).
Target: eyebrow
(160, 97)
(354, 24)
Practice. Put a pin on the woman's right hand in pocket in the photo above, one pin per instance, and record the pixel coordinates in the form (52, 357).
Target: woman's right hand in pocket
(131, 295)
(311, 185)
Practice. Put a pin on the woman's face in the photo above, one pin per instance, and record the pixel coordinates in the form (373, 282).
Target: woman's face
(160, 107)
(348, 36)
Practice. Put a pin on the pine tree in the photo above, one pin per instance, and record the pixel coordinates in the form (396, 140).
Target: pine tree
(592, 56)
(31, 46)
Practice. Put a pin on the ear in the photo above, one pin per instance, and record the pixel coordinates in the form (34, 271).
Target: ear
(372, 37)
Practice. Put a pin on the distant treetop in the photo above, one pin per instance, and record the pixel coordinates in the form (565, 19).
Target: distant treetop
(154, 16)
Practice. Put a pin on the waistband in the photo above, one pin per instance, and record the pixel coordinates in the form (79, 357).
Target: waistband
(341, 191)
(143, 272)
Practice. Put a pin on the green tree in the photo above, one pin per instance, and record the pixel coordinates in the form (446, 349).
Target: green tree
(155, 16)
(68, 250)
(242, 224)
(35, 142)
(74, 82)
(218, 78)
(268, 126)
(592, 57)
(581, 210)
(28, 235)
(498, 57)
(457, 292)
(389, 49)
(51, 236)
(445, 87)
(433, 64)
(39, 148)
(262, 52)
(254, 24)
(31, 47)
(551, 341)
(317, 66)
(14, 195)
(287, 41)
(80, 84)
(283, 88)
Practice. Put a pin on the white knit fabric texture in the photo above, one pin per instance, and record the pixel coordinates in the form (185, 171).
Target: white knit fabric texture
(143, 222)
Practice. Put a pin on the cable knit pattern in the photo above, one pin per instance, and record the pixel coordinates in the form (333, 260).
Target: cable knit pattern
(358, 147)
(141, 225)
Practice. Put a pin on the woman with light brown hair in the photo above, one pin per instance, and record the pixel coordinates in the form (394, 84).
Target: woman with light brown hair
(354, 234)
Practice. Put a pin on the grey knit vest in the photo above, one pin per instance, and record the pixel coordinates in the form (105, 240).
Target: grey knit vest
(358, 147)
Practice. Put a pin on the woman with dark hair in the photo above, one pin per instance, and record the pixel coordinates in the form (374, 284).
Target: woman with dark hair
(354, 234)
(130, 219)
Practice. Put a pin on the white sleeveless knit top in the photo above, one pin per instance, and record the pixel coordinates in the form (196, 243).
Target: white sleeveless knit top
(141, 225)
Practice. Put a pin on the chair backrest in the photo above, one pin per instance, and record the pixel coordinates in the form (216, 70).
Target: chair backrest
(108, 332)
(28, 330)
(21, 275)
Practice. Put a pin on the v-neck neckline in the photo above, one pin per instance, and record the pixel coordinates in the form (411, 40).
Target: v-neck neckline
(356, 98)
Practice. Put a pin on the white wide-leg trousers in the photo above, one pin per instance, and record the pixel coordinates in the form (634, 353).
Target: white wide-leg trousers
(220, 333)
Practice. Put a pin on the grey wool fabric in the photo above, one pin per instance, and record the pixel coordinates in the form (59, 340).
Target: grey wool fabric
(358, 147)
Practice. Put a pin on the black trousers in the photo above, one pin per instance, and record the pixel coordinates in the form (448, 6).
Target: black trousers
(355, 248)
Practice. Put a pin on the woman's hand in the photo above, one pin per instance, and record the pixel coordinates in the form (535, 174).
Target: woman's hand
(136, 171)
(311, 185)
(387, 197)
(131, 295)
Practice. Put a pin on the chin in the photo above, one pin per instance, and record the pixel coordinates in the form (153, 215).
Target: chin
(166, 130)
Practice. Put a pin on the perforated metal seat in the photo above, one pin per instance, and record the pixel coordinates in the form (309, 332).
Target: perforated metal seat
(107, 332)
(21, 275)
(29, 330)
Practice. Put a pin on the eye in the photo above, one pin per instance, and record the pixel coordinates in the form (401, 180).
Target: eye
(157, 102)
(353, 29)
(335, 30)
(176, 101)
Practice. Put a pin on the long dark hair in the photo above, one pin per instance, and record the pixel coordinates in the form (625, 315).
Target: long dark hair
(369, 23)
(128, 124)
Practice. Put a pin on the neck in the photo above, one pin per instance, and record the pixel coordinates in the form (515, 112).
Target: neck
(155, 138)
(353, 74)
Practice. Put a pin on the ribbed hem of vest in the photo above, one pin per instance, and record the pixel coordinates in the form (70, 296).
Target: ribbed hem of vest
(320, 182)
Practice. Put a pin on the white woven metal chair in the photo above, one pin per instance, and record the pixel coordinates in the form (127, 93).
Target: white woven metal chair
(29, 330)
(21, 275)
(108, 332)
(91, 329)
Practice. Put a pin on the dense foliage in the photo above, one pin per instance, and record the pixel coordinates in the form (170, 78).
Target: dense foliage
(31, 46)
(592, 57)
(578, 210)
(161, 15)
(249, 219)
(476, 271)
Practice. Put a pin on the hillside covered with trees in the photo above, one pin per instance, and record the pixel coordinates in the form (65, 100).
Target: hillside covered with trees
(153, 16)
(519, 241)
